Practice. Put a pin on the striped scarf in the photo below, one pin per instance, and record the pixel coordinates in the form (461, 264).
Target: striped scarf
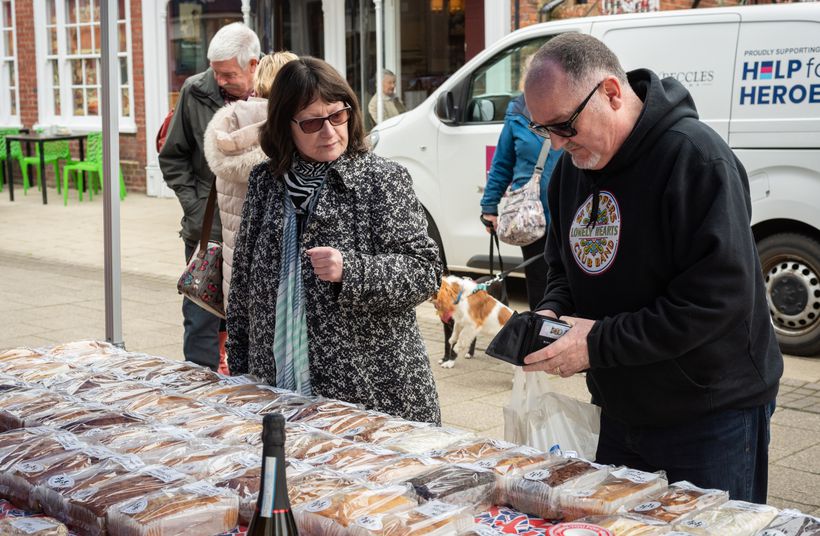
(290, 342)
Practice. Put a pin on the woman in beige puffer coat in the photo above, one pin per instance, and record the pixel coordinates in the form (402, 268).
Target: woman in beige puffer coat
(232, 150)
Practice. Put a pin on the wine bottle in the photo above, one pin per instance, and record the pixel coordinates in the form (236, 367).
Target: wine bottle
(273, 516)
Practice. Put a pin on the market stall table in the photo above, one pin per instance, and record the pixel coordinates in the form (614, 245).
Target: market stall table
(40, 139)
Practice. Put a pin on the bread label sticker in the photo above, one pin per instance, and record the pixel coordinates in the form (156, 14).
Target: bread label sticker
(203, 488)
(773, 532)
(537, 475)
(101, 453)
(129, 462)
(31, 525)
(647, 506)
(318, 505)
(486, 463)
(427, 461)
(434, 509)
(253, 407)
(248, 460)
(166, 474)
(378, 450)
(60, 481)
(324, 458)
(236, 380)
(353, 431)
(438, 453)
(633, 475)
(528, 451)
(502, 445)
(695, 524)
(67, 440)
(371, 522)
(747, 506)
(583, 493)
(135, 506)
(30, 467)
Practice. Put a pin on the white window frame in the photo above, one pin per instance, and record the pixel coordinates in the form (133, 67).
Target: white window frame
(66, 117)
(9, 117)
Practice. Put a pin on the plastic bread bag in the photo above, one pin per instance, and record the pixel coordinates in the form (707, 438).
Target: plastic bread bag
(402, 469)
(792, 523)
(470, 450)
(203, 461)
(732, 518)
(331, 515)
(20, 353)
(86, 507)
(536, 491)
(324, 408)
(56, 495)
(122, 395)
(388, 430)
(434, 518)
(78, 385)
(157, 403)
(350, 425)
(32, 526)
(357, 458)
(17, 483)
(149, 441)
(519, 459)
(20, 445)
(139, 366)
(88, 349)
(625, 525)
(17, 405)
(203, 391)
(82, 417)
(37, 370)
(191, 377)
(622, 487)
(238, 395)
(456, 484)
(241, 431)
(289, 405)
(303, 442)
(681, 500)
(317, 484)
(191, 510)
(425, 439)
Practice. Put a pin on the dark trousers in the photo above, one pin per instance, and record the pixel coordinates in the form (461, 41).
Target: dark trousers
(728, 450)
(535, 273)
(200, 342)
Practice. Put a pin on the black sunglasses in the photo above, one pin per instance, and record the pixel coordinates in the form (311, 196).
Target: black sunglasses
(565, 128)
(312, 125)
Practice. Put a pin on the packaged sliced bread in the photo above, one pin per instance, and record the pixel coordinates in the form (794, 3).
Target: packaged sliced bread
(621, 488)
(680, 501)
(32, 526)
(434, 518)
(792, 523)
(732, 518)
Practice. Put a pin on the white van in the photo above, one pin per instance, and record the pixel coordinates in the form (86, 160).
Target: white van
(754, 73)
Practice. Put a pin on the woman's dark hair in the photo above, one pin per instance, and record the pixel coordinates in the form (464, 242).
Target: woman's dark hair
(299, 83)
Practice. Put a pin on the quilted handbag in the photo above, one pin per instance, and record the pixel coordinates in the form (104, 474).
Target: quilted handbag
(522, 220)
(201, 282)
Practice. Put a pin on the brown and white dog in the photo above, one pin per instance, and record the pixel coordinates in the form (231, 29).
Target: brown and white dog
(471, 311)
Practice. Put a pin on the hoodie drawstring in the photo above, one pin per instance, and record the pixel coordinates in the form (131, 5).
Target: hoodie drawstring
(593, 215)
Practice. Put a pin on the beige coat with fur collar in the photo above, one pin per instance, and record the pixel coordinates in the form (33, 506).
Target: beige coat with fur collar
(232, 150)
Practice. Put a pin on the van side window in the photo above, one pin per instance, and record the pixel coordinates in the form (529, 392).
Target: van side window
(498, 81)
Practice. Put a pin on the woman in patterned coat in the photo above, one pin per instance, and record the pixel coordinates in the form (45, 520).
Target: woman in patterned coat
(332, 257)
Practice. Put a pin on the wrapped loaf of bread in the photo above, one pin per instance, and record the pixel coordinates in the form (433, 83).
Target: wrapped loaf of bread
(402, 469)
(792, 523)
(32, 526)
(516, 460)
(303, 442)
(621, 488)
(239, 395)
(16, 405)
(323, 408)
(353, 424)
(456, 484)
(359, 457)
(470, 450)
(434, 518)
(681, 500)
(317, 484)
(732, 518)
(86, 352)
(331, 515)
(536, 491)
(21, 353)
(242, 431)
(624, 525)
(424, 439)
(195, 509)
(388, 430)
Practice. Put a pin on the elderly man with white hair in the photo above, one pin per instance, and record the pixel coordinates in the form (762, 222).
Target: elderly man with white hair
(233, 54)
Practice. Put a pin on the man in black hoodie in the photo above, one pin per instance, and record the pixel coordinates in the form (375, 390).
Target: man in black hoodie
(651, 253)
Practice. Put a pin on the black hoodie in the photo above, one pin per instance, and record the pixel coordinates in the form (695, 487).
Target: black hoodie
(669, 269)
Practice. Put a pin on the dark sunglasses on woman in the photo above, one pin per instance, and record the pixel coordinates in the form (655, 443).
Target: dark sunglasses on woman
(311, 125)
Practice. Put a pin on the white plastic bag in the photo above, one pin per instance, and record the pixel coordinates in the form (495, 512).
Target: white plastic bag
(538, 416)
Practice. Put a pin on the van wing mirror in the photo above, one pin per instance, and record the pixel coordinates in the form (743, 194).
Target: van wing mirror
(446, 108)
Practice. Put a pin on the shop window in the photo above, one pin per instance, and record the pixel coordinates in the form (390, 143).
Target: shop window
(9, 83)
(72, 81)
(498, 81)
(191, 26)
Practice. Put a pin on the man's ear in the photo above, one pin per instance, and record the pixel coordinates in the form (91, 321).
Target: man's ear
(252, 65)
(614, 92)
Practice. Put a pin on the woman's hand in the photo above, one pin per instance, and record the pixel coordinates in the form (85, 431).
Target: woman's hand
(492, 219)
(327, 263)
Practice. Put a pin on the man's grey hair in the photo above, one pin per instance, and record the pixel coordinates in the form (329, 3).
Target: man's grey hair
(234, 40)
(387, 73)
(584, 59)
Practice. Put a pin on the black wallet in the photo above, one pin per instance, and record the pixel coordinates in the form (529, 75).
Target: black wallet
(523, 334)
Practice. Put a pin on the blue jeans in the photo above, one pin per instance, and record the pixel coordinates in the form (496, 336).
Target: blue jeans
(727, 450)
(200, 342)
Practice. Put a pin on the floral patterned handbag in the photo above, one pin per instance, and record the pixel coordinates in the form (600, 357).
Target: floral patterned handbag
(201, 282)
(522, 220)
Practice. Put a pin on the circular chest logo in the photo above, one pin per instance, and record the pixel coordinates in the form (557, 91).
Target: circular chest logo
(594, 247)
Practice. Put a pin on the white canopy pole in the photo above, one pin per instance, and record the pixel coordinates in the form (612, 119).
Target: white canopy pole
(109, 63)
(379, 63)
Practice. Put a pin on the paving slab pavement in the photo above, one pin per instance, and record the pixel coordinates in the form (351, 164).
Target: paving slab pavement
(51, 261)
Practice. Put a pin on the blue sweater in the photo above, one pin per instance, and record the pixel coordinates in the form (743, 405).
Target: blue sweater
(515, 158)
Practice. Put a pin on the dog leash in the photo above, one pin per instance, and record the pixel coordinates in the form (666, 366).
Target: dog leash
(504, 273)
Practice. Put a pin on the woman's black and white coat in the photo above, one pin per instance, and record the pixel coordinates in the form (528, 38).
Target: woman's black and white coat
(364, 341)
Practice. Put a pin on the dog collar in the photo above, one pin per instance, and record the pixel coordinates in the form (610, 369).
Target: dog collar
(458, 298)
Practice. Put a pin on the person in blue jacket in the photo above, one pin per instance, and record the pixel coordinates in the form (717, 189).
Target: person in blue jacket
(513, 163)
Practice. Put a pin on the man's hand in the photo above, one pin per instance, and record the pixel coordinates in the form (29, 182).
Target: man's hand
(327, 263)
(492, 219)
(566, 356)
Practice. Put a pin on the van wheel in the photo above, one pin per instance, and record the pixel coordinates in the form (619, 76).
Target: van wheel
(791, 272)
(432, 231)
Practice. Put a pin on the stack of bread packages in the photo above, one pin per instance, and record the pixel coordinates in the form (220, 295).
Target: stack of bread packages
(111, 442)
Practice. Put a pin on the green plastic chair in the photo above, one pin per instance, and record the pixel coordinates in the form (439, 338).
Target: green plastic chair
(93, 165)
(54, 152)
(14, 149)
